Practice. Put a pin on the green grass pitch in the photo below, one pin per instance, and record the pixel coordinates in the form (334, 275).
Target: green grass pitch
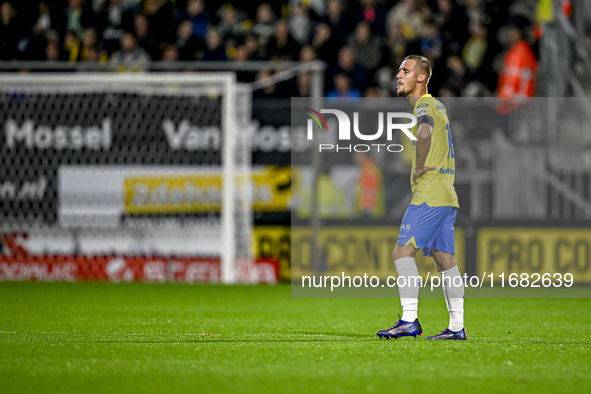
(98, 337)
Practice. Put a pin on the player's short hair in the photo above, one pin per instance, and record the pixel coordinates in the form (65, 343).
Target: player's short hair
(423, 63)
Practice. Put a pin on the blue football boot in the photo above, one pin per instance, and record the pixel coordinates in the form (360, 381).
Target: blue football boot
(402, 329)
(448, 334)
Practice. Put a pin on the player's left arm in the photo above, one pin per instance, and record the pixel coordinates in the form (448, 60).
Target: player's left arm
(423, 145)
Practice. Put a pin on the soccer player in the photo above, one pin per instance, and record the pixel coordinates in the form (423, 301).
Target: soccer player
(428, 223)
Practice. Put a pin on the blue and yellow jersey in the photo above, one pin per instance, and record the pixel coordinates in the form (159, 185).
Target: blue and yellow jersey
(436, 188)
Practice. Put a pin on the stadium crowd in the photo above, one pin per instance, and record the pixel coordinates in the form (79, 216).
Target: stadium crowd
(362, 41)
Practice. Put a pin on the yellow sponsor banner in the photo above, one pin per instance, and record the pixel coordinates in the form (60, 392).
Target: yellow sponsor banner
(172, 194)
(181, 193)
(359, 250)
(274, 242)
(535, 250)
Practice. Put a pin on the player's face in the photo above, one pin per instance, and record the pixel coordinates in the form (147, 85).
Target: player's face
(407, 78)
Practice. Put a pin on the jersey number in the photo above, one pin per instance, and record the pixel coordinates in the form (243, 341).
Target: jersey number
(450, 142)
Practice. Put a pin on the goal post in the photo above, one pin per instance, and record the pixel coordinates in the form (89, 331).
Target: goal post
(143, 154)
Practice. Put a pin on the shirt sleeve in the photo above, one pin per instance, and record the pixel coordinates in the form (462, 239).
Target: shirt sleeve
(425, 114)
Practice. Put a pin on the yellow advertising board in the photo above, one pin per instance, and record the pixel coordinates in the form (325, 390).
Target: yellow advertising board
(535, 250)
(193, 193)
(352, 250)
(274, 242)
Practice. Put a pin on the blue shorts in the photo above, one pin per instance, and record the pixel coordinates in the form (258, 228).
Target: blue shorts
(429, 228)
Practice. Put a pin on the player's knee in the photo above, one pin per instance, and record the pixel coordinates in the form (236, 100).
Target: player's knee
(443, 260)
(396, 253)
(400, 252)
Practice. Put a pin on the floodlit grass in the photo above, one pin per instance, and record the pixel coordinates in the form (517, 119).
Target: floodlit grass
(97, 337)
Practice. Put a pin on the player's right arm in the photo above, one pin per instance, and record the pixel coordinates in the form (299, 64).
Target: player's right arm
(423, 145)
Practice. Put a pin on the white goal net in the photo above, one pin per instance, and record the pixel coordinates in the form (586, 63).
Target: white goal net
(126, 176)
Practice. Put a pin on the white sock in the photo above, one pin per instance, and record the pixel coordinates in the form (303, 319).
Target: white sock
(406, 267)
(453, 289)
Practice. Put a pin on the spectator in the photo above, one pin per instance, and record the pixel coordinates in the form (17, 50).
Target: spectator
(386, 78)
(300, 24)
(130, 57)
(475, 48)
(374, 15)
(374, 92)
(241, 54)
(343, 90)
(431, 45)
(517, 78)
(457, 77)
(90, 50)
(308, 54)
(33, 45)
(71, 47)
(214, 49)
(445, 92)
(170, 53)
(478, 57)
(453, 24)
(316, 8)
(161, 14)
(366, 47)
(475, 14)
(232, 26)
(431, 42)
(265, 23)
(303, 83)
(129, 4)
(198, 16)
(324, 44)
(544, 14)
(338, 22)
(112, 20)
(188, 46)
(394, 53)
(253, 49)
(409, 16)
(145, 39)
(43, 22)
(247, 50)
(282, 46)
(347, 65)
(74, 18)
(394, 46)
(94, 55)
(52, 51)
(10, 32)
